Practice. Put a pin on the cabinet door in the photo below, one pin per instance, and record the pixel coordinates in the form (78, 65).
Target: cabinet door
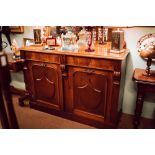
(47, 86)
(91, 93)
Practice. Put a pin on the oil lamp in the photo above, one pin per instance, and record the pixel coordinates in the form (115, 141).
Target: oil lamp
(117, 40)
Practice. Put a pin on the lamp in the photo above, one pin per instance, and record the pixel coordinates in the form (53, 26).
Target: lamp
(117, 40)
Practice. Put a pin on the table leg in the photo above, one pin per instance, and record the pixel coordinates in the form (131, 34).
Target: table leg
(139, 106)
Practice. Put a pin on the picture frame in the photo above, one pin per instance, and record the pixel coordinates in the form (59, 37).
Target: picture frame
(29, 40)
(17, 29)
(37, 36)
(51, 42)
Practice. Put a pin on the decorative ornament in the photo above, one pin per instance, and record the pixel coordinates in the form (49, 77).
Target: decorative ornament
(69, 41)
(15, 49)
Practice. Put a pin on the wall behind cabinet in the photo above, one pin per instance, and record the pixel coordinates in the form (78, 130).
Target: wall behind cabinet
(132, 35)
(18, 78)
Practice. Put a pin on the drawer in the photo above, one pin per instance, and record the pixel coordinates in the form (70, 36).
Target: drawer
(96, 63)
(42, 57)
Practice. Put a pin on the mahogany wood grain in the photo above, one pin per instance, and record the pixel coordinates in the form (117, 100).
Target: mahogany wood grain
(140, 77)
(82, 86)
(99, 52)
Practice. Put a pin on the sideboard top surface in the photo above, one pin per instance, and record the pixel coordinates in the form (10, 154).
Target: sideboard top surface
(98, 53)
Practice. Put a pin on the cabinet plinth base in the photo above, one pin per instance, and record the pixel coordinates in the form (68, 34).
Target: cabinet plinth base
(72, 117)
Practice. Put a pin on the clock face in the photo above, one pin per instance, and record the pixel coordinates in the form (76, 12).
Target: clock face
(145, 41)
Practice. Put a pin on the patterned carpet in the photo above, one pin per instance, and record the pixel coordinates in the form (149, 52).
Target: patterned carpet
(32, 119)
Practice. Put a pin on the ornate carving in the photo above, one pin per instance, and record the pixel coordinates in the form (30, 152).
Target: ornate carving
(43, 81)
(51, 84)
(117, 76)
(94, 94)
(25, 68)
(90, 90)
(63, 65)
(63, 68)
(63, 59)
(89, 71)
(96, 90)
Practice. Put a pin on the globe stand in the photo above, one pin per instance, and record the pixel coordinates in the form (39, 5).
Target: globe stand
(148, 71)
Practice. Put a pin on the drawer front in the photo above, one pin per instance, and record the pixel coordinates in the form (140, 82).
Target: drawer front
(42, 57)
(96, 63)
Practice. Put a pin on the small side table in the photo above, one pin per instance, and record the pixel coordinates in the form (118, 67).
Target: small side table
(145, 84)
(18, 65)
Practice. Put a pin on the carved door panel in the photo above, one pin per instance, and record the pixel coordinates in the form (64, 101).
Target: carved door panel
(47, 86)
(91, 93)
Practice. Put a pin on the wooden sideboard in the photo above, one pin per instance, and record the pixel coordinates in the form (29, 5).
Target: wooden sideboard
(81, 86)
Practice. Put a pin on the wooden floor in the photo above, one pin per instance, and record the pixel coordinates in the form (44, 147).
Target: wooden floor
(127, 120)
(32, 119)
